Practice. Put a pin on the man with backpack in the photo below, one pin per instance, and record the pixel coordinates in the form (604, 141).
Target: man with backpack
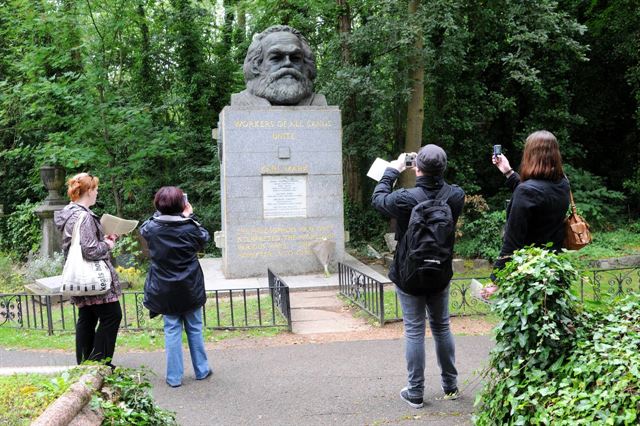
(422, 266)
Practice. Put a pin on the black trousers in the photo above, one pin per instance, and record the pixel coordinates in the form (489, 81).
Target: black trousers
(97, 344)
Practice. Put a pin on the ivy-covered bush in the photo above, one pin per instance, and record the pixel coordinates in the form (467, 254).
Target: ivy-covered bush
(555, 365)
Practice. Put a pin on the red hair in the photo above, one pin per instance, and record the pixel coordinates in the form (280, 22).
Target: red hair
(541, 158)
(80, 184)
(169, 200)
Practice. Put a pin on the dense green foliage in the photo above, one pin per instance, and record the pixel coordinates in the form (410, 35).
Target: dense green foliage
(126, 399)
(553, 364)
(131, 90)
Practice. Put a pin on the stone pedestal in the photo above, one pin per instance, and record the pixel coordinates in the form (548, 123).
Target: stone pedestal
(281, 188)
(53, 180)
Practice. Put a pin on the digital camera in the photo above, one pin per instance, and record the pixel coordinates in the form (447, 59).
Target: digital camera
(410, 160)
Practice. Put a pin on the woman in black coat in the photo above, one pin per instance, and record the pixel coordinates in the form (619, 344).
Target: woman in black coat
(175, 282)
(538, 206)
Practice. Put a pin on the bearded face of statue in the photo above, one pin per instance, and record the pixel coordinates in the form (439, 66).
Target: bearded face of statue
(283, 78)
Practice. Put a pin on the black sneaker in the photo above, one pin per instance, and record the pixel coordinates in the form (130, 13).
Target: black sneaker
(415, 402)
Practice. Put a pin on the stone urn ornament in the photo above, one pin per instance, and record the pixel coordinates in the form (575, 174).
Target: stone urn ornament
(53, 177)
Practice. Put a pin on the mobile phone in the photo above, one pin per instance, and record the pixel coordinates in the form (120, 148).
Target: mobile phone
(185, 198)
(497, 150)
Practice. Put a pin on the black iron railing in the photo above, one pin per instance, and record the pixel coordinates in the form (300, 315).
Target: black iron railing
(224, 310)
(363, 290)
(380, 300)
(280, 296)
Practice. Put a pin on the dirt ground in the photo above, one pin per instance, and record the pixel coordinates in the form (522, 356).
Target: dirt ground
(469, 326)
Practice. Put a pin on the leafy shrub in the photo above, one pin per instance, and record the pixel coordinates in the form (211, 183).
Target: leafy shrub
(22, 232)
(599, 206)
(126, 400)
(134, 276)
(553, 364)
(481, 237)
(365, 225)
(128, 251)
(475, 206)
(43, 266)
(10, 280)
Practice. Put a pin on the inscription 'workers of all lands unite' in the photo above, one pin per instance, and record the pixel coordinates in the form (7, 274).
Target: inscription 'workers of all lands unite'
(279, 241)
(284, 124)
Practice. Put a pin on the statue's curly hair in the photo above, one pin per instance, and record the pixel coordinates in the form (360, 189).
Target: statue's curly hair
(253, 60)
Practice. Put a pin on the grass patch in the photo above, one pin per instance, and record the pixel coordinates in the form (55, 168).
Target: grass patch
(23, 397)
(151, 340)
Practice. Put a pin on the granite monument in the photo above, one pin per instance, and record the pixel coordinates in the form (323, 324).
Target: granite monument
(280, 152)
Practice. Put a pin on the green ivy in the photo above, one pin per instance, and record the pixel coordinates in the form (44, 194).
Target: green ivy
(553, 364)
(125, 399)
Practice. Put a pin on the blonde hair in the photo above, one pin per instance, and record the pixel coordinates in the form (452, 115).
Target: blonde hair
(80, 184)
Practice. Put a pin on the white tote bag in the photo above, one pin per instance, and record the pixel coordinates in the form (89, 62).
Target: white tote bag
(82, 277)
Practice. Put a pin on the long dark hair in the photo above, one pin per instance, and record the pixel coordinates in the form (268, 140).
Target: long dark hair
(541, 158)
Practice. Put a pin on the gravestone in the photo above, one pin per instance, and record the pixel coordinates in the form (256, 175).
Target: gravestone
(281, 188)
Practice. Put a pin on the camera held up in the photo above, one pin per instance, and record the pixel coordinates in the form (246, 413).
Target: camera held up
(410, 160)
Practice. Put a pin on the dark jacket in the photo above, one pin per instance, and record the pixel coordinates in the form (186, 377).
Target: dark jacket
(92, 245)
(398, 204)
(535, 215)
(175, 282)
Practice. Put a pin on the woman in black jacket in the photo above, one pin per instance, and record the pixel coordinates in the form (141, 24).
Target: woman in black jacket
(538, 206)
(175, 282)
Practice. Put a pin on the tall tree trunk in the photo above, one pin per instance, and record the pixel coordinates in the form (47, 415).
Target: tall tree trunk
(147, 85)
(415, 109)
(241, 24)
(351, 166)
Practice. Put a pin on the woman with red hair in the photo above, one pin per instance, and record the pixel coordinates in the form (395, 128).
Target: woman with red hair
(104, 310)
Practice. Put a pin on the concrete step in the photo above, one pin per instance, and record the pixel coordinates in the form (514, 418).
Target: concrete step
(322, 312)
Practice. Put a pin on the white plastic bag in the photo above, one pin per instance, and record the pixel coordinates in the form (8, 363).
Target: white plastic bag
(82, 277)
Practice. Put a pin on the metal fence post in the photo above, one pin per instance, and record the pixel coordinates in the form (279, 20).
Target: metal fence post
(288, 299)
(49, 316)
(381, 289)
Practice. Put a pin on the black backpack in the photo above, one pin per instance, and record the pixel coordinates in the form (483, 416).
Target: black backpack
(423, 261)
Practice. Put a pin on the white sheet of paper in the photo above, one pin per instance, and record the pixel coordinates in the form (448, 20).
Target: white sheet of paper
(116, 225)
(377, 169)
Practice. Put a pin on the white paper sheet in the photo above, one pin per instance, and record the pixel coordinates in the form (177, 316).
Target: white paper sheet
(377, 169)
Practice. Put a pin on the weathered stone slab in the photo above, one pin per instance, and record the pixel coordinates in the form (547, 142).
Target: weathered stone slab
(281, 188)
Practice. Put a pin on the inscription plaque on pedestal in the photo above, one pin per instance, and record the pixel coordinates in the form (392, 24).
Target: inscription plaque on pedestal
(284, 196)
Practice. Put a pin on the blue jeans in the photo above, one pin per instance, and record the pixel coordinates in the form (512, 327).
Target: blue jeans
(414, 312)
(173, 345)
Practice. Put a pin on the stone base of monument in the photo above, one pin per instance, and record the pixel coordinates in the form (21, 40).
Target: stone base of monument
(215, 279)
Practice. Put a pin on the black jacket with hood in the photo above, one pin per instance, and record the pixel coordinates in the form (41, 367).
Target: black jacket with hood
(175, 282)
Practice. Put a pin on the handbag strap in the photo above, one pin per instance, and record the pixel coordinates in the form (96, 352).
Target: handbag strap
(572, 203)
(75, 236)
